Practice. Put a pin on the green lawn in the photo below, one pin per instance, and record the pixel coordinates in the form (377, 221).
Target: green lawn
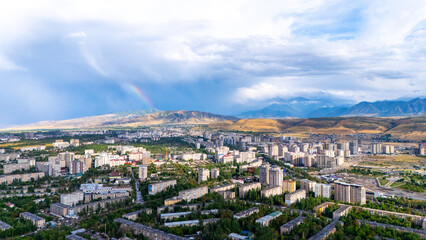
(383, 181)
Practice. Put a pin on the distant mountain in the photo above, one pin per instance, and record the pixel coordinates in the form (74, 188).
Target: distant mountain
(414, 107)
(413, 128)
(305, 108)
(290, 108)
(129, 120)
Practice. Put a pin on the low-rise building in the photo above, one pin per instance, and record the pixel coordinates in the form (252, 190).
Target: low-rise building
(24, 177)
(4, 226)
(39, 222)
(287, 227)
(321, 207)
(155, 188)
(134, 215)
(264, 221)
(293, 197)
(222, 188)
(273, 191)
(172, 200)
(341, 211)
(244, 189)
(72, 199)
(150, 233)
(227, 195)
(246, 213)
(9, 168)
(193, 193)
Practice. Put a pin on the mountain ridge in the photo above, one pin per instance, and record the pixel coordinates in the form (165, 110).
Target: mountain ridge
(307, 108)
(131, 119)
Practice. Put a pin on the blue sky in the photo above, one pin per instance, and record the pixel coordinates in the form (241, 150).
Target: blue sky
(66, 59)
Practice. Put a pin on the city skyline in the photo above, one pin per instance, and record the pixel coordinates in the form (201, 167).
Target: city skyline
(74, 59)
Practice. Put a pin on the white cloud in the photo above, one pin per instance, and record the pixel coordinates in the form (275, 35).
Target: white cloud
(77, 35)
(360, 50)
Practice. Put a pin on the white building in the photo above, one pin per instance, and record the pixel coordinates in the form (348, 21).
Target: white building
(71, 199)
(143, 172)
(323, 190)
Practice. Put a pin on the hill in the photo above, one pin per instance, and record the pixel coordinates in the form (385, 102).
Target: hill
(315, 108)
(128, 120)
(407, 128)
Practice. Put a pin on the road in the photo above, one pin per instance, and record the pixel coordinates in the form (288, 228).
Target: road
(139, 198)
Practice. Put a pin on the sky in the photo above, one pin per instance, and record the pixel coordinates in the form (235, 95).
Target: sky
(69, 59)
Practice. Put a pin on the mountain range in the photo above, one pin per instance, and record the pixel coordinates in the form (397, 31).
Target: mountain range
(131, 119)
(315, 108)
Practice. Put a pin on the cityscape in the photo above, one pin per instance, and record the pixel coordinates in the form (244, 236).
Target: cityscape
(181, 182)
(213, 120)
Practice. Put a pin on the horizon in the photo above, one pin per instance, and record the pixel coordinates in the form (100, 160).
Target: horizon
(218, 57)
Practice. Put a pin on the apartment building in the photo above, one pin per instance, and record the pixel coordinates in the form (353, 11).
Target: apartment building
(308, 185)
(143, 172)
(264, 174)
(39, 222)
(203, 175)
(272, 191)
(323, 190)
(193, 193)
(244, 189)
(351, 193)
(293, 197)
(275, 176)
(289, 186)
(155, 188)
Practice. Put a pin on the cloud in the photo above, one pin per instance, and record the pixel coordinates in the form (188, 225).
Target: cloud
(235, 52)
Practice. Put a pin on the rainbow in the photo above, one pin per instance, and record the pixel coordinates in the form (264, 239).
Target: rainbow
(139, 93)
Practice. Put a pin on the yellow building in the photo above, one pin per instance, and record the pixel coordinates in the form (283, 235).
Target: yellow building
(289, 186)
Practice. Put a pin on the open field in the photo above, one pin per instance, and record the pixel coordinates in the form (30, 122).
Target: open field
(413, 128)
(401, 161)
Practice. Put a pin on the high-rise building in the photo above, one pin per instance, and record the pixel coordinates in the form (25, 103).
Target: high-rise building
(203, 175)
(388, 149)
(264, 174)
(351, 193)
(322, 190)
(309, 160)
(376, 148)
(353, 147)
(275, 176)
(272, 150)
(214, 173)
(143, 172)
(289, 186)
(77, 166)
(66, 157)
(308, 185)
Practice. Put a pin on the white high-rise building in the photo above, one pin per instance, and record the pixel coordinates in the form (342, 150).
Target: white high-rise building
(275, 176)
(214, 173)
(143, 172)
(264, 174)
(323, 190)
(203, 175)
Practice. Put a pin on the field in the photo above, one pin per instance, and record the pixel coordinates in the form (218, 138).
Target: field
(413, 128)
(383, 181)
(402, 161)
